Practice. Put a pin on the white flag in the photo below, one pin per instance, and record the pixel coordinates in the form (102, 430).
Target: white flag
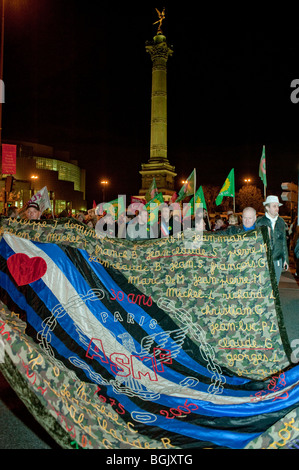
(42, 199)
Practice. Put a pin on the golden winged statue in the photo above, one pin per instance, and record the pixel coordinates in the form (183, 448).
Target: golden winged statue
(160, 20)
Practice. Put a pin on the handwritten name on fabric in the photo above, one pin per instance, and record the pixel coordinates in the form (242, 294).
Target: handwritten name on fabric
(162, 329)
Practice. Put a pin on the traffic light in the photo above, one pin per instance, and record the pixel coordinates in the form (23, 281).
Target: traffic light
(290, 192)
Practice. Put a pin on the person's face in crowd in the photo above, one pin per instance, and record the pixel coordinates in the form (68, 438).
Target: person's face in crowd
(32, 213)
(248, 218)
(273, 209)
(218, 224)
(165, 213)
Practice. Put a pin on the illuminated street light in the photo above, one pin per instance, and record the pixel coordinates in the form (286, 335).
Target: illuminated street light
(104, 183)
(34, 178)
(247, 180)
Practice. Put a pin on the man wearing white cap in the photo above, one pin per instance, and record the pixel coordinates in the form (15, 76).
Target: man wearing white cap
(277, 234)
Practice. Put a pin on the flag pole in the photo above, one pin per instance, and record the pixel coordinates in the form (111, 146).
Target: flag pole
(265, 185)
(234, 199)
(194, 191)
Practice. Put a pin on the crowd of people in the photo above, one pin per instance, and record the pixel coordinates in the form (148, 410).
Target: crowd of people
(169, 222)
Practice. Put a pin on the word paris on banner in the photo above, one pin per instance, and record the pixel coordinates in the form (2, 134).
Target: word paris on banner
(173, 343)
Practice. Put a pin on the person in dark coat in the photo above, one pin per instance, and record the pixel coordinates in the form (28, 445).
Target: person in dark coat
(277, 234)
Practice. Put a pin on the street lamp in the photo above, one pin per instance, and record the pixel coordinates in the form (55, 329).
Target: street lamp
(247, 180)
(104, 183)
(34, 178)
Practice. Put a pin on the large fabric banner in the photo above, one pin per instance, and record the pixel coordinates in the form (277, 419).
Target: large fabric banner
(156, 344)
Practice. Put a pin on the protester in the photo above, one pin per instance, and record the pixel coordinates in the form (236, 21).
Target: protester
(33, 211)
(219, 224)
(248, 218)
(248, 222)
(170, 221)
(139, 228)
(80, 217)
(206, 220)
(107, 226)
(233, 220)
(12, 212)
(277, 234)
(199, 222)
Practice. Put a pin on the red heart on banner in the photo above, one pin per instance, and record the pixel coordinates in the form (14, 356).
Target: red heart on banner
(25, 270)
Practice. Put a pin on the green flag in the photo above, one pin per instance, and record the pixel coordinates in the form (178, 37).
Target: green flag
(262, 168)
(188, 188)
(199, 199)
(152, 207)
(228, 189)
(152, 191)
(115, 207)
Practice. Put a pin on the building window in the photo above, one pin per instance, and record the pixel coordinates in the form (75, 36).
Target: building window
(66, 171)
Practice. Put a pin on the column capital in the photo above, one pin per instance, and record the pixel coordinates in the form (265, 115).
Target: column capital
(158, 48)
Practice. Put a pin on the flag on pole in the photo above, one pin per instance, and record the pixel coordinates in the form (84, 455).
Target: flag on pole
(152, 207)
(152, 191)
(114, 208)
(262, 168)
(188, 188)
(199, 198)
(228, 189)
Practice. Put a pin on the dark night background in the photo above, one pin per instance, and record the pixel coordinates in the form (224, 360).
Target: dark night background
(77, 76)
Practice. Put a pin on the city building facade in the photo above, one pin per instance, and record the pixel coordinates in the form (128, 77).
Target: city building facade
(42, 165)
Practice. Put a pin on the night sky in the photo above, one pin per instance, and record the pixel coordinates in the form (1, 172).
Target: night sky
(77, 76)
